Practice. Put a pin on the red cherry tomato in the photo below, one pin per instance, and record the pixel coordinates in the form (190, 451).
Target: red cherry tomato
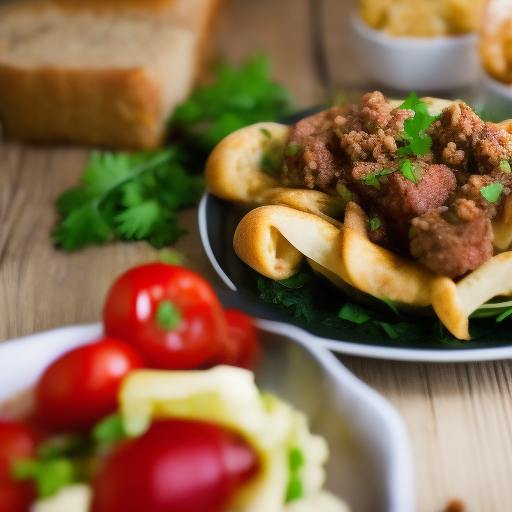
(80, 388)
(170, 314)
(178, 465)
(241, 347)
(17, 441)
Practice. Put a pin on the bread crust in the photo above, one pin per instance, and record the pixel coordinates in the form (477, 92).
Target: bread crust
(110, 106)
(118, 108)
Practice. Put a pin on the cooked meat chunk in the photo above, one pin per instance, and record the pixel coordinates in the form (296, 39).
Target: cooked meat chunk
(405, 200)
(452, 248)
(309, 160)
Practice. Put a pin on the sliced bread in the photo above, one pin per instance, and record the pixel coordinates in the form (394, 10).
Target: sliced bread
(104, 73)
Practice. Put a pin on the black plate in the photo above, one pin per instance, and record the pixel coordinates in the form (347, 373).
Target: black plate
(420, 339)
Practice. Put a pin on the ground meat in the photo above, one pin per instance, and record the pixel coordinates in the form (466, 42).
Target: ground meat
(404, 200)
(309, 161)
(490, 146)
(452, 248)
(357, 147)
(453, 134)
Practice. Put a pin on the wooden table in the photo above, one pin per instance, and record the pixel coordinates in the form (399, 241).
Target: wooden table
(459, 416)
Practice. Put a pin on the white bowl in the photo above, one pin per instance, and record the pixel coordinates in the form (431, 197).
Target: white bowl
(495, 98)
(370, 464)
(421, 64)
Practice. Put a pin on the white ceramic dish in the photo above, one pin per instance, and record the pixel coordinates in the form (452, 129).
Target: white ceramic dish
(420, 64)
(370, 464)
(217, 223)
(495, 97)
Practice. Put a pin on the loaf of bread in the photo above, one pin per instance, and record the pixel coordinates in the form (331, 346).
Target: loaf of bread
(99, 72)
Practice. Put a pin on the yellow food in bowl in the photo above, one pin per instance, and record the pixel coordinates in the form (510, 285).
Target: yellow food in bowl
(422, 18)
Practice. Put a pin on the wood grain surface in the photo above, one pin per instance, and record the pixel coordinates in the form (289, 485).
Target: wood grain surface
(459, 416)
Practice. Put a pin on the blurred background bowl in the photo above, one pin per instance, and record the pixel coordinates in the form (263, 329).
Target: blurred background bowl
(413, 63)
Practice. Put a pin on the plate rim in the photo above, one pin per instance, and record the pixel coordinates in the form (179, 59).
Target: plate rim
(412, 354)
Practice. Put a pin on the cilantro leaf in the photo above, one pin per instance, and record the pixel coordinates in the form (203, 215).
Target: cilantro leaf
(408, 171)
(375, 179)
(375, 224)
(414, 127)
(237, 99)
(492, 192)
(505, 166)
(138, 221)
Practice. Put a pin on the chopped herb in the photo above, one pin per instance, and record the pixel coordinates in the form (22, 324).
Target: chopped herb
(344, 192)
(391, 304)
(407, 170)
(504, 315)
(492, 192)
(138, 196)
(292, 149)
(353, 313)
(505, 166)
(298, 280)
(375, 224)
(389, 330)
(297, 300)
(295, 459)
(49, 475)
(266, 133)
(295, 489)
(109, 430)
(374, 179)
(414, 127)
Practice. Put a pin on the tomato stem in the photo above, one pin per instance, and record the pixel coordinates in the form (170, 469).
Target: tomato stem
(168, 316)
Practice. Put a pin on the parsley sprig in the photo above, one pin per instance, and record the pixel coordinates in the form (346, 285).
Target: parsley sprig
(419, 143)
(137, 196)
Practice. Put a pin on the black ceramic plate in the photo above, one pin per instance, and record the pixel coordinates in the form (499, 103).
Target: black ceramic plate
(418, 339)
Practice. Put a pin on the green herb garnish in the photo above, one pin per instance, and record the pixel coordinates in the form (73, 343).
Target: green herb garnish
(492, 192)
(138, 196)
(266, 133)
(505, 166)
(354, 313)
(292, 149)
(344, 192)
(375, 224)
(48, 475)
(374, 179)
(408, 171)
(296, 461)
(414, 127)
(109, 430)
(128, 197)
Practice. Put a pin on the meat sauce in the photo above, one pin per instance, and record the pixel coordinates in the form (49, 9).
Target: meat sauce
(440, 215)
